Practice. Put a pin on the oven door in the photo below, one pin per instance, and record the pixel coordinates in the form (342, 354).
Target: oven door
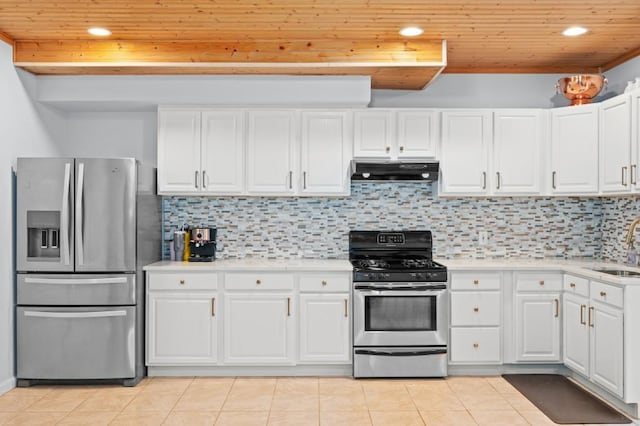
(413, 315)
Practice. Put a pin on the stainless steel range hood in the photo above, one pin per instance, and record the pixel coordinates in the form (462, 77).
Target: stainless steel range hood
(381, 171)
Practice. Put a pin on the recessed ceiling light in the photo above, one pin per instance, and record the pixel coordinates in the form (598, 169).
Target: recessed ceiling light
(574, 31)
(411, 31)
(100, 32)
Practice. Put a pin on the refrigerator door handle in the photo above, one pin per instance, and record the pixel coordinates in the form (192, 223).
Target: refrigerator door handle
(79, 236)
(64, 220)
(73, 281)
(96, 314)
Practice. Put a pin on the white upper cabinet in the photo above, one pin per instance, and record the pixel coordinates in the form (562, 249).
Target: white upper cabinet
(325, 153)
(635, 139)
(615, 145)
(373, 134)
(271, 152)
(395, 134)
(517, 149)
(466, 136)
(417, 134)
(179, 151)
(222, 152)
(574, 150)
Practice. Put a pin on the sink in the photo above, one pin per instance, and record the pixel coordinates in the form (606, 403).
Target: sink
(619, 272)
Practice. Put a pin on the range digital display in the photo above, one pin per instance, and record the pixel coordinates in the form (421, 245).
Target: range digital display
(390, 238)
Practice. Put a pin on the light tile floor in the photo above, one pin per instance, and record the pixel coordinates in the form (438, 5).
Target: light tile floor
(198, 401)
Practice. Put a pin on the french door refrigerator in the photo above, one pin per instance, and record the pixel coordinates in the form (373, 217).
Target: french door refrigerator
(85, 228)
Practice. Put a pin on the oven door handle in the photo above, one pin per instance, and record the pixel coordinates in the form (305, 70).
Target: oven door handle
(410, 353)
(408, 287)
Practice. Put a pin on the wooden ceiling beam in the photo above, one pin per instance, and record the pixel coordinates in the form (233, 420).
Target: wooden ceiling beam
(621, 59)
(391, 64)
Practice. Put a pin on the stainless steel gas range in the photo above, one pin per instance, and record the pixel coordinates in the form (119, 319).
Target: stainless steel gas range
(400, 305)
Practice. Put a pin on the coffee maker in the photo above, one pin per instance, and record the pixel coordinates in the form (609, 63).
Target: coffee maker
(203, 245)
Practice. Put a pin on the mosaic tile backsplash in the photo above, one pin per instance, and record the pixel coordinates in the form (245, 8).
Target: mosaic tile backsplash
(522, 227)
(617, 214)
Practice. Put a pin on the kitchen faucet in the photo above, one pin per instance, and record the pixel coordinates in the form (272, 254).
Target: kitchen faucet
(632, 255)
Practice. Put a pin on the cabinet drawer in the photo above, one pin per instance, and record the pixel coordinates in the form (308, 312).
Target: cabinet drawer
(607, 294)
(258, 281)
(538, 282)
(576, 285)
(182, 281)
(475, 281)
(475, 308)
(475, 345)
(333, 283)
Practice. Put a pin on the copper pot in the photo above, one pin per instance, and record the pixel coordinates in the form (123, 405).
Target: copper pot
(580, 89)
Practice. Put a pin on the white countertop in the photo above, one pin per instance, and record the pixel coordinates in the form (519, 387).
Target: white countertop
(578, 267)
(257, 264)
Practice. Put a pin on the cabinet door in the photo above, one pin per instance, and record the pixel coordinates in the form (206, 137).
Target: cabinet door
(178, 151)
(517, 145)
(258, 328)
(463, 155)
(607, 347)
(538, 327)
(615, 145)
(417, 133)
(182, 328)
(325, 153)
(576, 333)
(635, 139)
(373, 134)
(222, 152)
(324, 328)
(574, 150)
(270, 152)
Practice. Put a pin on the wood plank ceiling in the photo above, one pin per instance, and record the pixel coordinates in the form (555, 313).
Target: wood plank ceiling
(320, 37)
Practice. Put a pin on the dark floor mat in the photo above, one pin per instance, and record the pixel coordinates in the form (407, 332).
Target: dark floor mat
(563, 401)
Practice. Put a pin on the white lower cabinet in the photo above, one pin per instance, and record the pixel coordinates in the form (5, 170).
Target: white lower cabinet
(538, 327)
(607, 347)
(258, 328)
(576, 333)
(324, 328)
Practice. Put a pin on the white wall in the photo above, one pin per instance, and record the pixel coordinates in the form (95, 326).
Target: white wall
(619, 75)
(27, 130)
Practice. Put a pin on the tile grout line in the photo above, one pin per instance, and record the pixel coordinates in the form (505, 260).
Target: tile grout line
(271, 403)
(178, 400)
(226, 397)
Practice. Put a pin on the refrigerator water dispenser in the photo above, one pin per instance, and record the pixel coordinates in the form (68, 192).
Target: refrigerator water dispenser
(43, 230)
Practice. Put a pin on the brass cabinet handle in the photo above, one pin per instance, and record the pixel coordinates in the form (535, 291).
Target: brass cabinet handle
(290, 179)
(603, 293)
(196, 179)
(288, 306)
(476, 309)
(258, 282)
(304, 180)
(572, 285)
(475, 345)
(204, 178)
(181, 282)
(591, 311)
(213, 306)
(484, 180)
(557, 302)
(476, 282)
(541, 282)
(553, 180)
(497, 180)
(324, 283)
(582, 308)
(346, 308)
(634, 180)
(624, 175)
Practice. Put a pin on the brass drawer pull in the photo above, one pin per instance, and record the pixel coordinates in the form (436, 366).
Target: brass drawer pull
(603, 293)
(258, 282)
(476, 282)
(541, 282)
(572, 285)
(181, 282)
(324, 283)
(476, 309)
(475, 345)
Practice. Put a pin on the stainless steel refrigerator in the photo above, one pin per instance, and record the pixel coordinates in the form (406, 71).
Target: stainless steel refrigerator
(85, 228)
